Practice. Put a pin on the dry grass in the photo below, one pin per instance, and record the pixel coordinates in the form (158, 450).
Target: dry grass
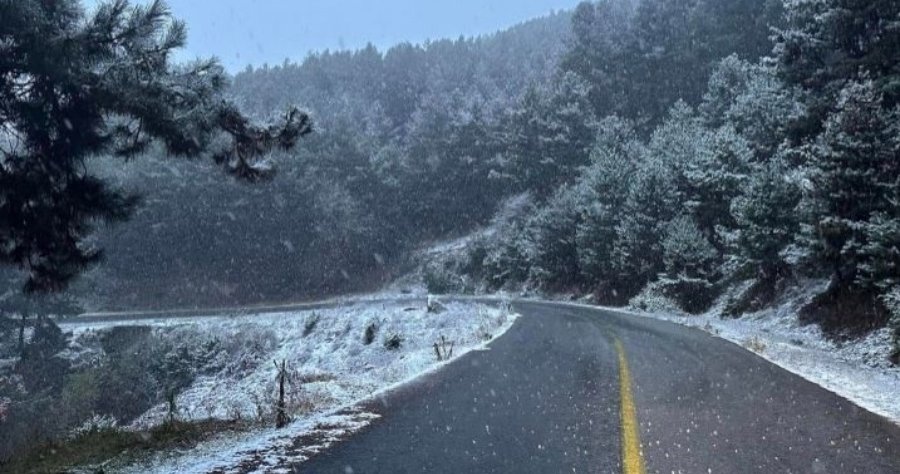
(755, 344)
(97, 447)
(314, 377)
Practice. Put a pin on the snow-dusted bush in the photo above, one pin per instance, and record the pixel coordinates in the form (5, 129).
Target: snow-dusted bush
(95, 424)
(686, 251)
(691, 264)
(653, 299)
(440, 279)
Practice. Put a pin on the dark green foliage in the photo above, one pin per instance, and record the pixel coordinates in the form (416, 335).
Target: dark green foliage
(120, 339)
(691, 265)
(73, 87)
(551, 242)
(767, 220)
(40, 367)
(652, 202)
(846, 312)
(642, 57)
(687, 253)
(880, 266)
(603, 189)
(131, 379)
(856, 168)
(97, 446)
(750, 99)
(601, 30)
(827, 43)
(80, 396)
(549, 136)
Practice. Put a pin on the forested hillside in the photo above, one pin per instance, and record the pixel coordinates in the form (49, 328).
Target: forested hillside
(403, 149)
(665, 149)
(780, 167)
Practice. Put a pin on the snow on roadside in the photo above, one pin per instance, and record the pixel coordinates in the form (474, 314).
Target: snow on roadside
(333, 365)
(858, 370)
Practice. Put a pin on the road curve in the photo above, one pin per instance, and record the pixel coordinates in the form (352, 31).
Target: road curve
(553, 395)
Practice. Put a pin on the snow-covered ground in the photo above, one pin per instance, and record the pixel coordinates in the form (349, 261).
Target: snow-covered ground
(856, 370)
(333, 366)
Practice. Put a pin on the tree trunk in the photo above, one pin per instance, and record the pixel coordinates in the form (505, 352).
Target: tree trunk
(280, 411)
(22, 335)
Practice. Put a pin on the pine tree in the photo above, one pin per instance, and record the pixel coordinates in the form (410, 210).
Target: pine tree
(829, 42)
(751, 99)
(714, 178)
(686, 251)
(652, 202)
(74, 86)
(551, 232)
(691, 265)
(550, 136)
(603, 187)
(880, 266)
(707, 166)
(856, 161)
(601, 31)
(767, 220)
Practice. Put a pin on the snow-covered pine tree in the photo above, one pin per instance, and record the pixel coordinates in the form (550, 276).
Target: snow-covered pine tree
(603, 187)
(767, 220)
(828, 42)
(601, 30)
(551, 232)
(856, 161)
(549, 136)
(653, 201)
(707, 166)
(752, 100)
(714, 178)
(880, 266)
(691, 265)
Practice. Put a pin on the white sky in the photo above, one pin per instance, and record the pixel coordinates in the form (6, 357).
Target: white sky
(242, 32)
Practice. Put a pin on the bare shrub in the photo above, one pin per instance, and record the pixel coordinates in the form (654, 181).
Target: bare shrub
(393, 342)
(369, 335)
(443, 349)
(755, 344)
(311, 323)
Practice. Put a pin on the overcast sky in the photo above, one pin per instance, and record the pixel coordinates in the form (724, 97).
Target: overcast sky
(242, 32)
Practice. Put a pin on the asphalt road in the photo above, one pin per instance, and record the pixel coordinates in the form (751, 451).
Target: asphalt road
(559, 392)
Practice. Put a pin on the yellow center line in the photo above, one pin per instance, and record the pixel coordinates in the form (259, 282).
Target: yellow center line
(632, 460)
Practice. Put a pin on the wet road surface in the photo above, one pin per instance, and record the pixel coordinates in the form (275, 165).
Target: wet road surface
(575, 389)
